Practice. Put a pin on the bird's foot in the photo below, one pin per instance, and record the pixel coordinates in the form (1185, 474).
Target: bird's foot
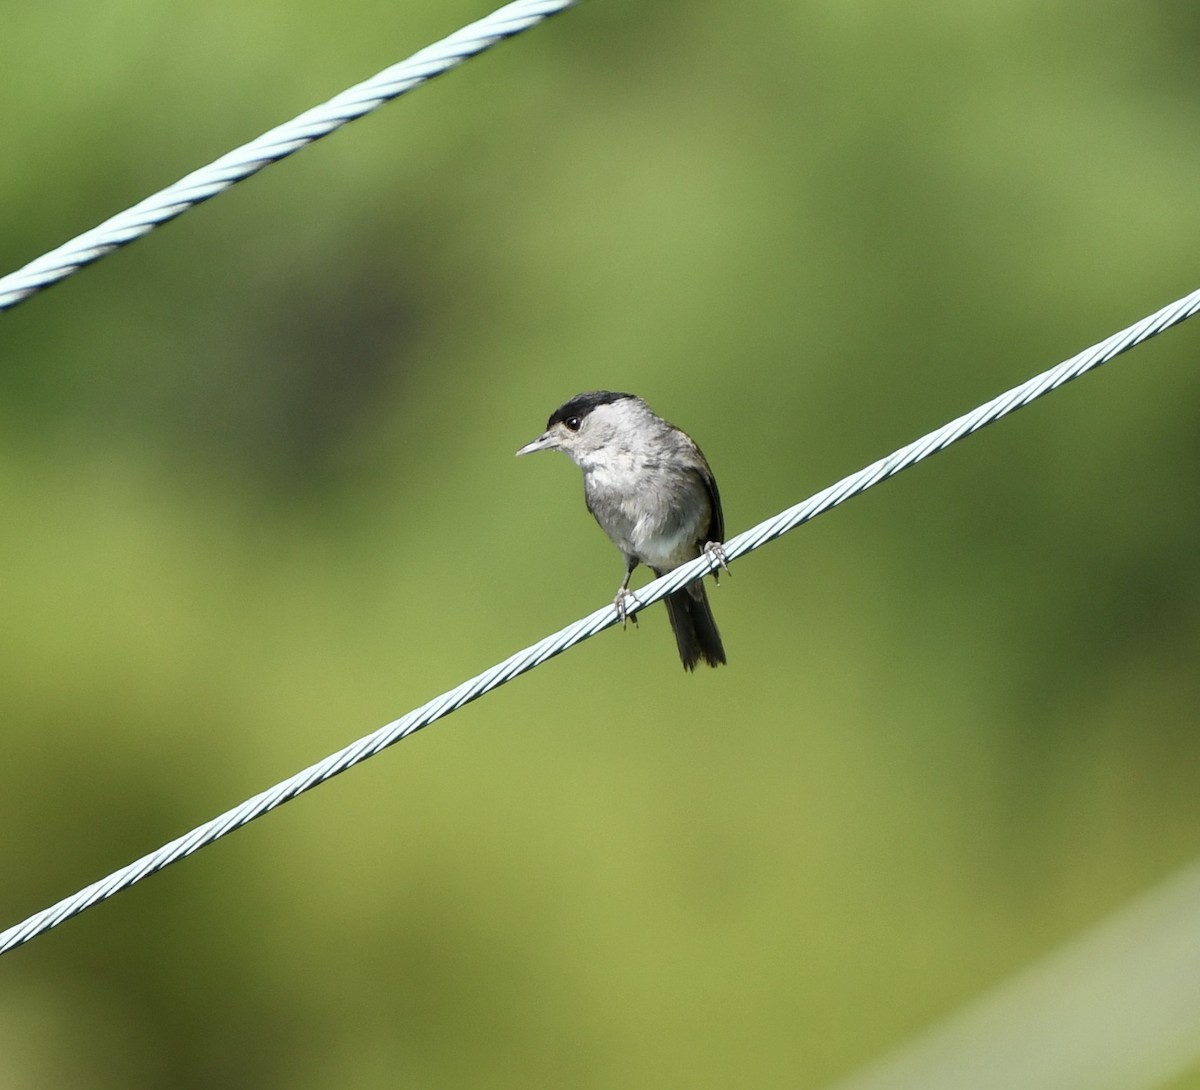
(715, 551)
(626, 606)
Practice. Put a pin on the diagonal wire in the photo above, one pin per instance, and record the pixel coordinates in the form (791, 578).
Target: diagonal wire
(276, 144)
(547, 648)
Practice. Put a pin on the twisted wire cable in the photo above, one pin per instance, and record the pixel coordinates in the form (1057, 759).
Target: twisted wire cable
(606, 617)
(276, 144)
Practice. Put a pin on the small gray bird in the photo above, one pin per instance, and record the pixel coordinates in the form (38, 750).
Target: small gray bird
(651, 490)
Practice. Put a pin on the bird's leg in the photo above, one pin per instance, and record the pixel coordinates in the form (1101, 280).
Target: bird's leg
(623, 594)
(714, 550)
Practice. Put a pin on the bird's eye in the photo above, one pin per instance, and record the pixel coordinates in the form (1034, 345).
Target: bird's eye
(572, 423)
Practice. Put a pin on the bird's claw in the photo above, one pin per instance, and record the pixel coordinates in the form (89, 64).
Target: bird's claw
(622, 605)
(715, 551)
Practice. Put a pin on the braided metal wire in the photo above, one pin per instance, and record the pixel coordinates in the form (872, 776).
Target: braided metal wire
(603, 618)
(276, 144)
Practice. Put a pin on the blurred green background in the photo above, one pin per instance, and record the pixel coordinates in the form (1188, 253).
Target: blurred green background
(259, 497)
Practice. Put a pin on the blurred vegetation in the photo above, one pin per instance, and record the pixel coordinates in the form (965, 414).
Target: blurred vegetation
(260, 497)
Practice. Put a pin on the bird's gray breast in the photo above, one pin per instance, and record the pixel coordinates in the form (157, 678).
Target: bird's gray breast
(650, 511)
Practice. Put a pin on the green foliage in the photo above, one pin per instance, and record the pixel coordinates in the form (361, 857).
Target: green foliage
(260, 497)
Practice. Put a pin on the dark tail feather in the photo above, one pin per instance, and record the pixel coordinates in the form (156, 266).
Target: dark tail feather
(695, 630)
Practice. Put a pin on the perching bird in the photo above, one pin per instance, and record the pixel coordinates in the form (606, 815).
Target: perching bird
(652, 492)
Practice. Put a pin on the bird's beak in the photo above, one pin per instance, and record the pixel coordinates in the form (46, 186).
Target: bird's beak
(546, 441)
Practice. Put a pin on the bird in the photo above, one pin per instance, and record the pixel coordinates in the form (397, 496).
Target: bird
(650, 488)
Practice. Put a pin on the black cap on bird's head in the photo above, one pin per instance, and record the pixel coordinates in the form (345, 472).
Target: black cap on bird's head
(570, 415)
(582, 404)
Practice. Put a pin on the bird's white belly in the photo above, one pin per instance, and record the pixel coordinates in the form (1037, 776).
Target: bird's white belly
(639, 518)
(659, 549)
